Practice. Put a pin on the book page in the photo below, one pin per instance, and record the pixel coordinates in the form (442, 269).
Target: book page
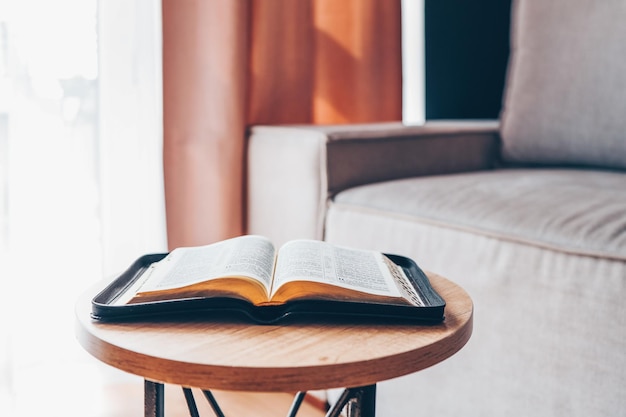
(249, 256)
(316, 261)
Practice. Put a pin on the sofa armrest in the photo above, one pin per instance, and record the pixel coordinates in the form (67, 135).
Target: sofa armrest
(294, 170)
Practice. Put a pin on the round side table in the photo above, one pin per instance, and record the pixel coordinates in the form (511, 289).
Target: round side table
(295, 357)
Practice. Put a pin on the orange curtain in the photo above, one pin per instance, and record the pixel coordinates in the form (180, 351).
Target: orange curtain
(228, 64)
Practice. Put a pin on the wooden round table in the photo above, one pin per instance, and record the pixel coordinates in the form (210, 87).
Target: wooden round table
(239, 356)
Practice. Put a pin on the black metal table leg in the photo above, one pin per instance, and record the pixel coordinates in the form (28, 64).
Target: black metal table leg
(368, 401)
(213, 402)
(191, 402)
(295, 405)
(358, 402)
(154, 399)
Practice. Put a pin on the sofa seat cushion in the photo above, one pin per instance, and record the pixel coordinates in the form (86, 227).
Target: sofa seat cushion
(575, 211)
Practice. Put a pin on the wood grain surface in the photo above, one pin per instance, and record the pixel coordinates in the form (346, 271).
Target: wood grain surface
(237, 355)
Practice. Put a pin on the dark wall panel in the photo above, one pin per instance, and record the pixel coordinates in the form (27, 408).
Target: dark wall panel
(466, 53)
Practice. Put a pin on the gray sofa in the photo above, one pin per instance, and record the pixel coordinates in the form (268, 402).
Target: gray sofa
(527, 213)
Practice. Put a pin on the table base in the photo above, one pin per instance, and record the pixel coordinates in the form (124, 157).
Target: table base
(357, 402)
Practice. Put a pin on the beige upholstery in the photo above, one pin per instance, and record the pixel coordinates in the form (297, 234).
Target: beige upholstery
(567, 77)
(294, 170)
(549, 326)
(575, 211)
(529, 216)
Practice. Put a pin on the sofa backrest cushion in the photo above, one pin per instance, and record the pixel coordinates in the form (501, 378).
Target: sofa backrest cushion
(565, 99)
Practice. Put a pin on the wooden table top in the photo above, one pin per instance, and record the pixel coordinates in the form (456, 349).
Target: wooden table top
(234, 355)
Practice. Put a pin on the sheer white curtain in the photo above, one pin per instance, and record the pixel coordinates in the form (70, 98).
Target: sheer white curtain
(133, 210)
(80, 182)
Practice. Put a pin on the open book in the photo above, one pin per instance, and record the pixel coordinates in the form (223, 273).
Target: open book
(247, 273)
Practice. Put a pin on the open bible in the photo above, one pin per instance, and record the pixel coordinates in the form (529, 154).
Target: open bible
(248, 274)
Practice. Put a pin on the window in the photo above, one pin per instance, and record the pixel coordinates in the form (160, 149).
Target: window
(80, 179)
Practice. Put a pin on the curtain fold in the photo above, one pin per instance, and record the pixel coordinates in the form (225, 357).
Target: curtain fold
(204, 118)
(229, 64)
(358, 63)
